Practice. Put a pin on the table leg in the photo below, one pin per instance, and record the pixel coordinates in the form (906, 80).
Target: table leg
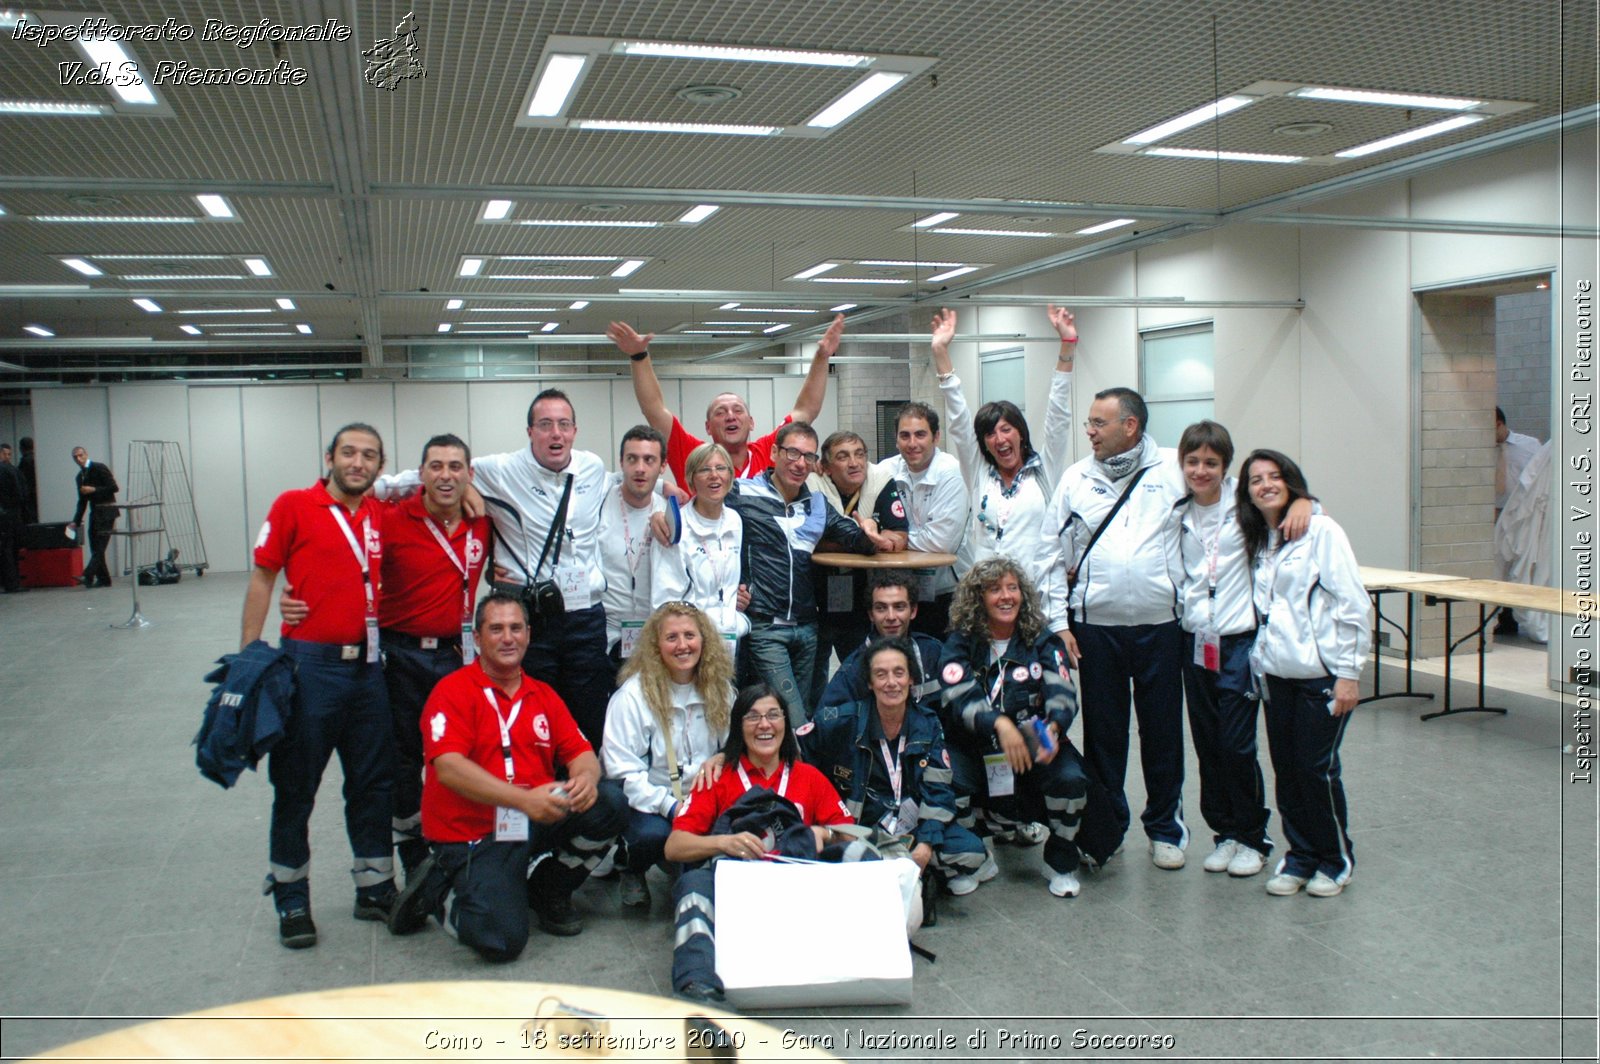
(1449, 649)
(1377, 620)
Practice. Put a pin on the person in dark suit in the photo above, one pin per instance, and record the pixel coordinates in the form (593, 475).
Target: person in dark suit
(13, 507)
(97, 492)
(30, 510)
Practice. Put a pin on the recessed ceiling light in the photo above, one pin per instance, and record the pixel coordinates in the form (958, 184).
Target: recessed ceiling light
(1388, 99)
(578, 304)
(254, 335)
(214, 205)
(190, 329)
(454, 304)
(935, 219)
(696, 215)
(285, 304)
(740, 54)
(55, 108)
(739, 324)
(708, 94)
(718, 332)
(858, 98)
(496, 209)
(729, 306)
(444, 326)
(821, 267)
(903, 262)
(229, 310)
(304, 328)
(540, 276)
(114, 219)
(128, 83)
(470, 267)
(258, 267)
(1105, 226)
(1224, 156)
(775, 328)
(615, 126)
(512, 321)
(1206, 113)
(957, 272)
(859, 280)
(842, 307)
(159, 259)
(950, 231)
(598, 223)
(556, 82)
(627, 269)
(148, 304)
(557, 258)
(1409, 135)
(511, 310)
(773, 310)
(182, 277)
(550, 326)
(83, 266)
(1303, 129)
(38, 330)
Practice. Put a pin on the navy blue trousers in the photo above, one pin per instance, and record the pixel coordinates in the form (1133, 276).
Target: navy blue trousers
(409, 673)
(570, 655)
(1304, 739)
(1222, 724)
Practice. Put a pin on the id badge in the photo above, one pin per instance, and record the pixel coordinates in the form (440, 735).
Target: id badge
(925, 587)
(574, 584)
(1002, 781)
(510, 825)
(372, 641)
(630, 637)
(841, 593)
(889, 824)
(469, 649)
(908, 817)
(1208, 650)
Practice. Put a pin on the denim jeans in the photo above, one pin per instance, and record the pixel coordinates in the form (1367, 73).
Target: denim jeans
(783, 655)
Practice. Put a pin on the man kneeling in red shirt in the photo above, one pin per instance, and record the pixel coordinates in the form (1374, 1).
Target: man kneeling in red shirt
(493, 739)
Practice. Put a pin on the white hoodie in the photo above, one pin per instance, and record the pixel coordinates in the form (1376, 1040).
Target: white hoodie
(635, 752)
(1313, 607)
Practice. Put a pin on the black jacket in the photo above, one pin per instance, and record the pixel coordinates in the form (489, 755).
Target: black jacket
(97, 476)
(779, 537)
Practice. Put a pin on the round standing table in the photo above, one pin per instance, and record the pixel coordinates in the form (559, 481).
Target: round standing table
(900, 559)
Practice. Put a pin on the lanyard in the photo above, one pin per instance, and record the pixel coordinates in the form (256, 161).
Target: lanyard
(1003, 507)
(360, 551)
(462, 567)
(505, 730)
(892, 763)
(627, 543)
(1212, 551)
(783, 781)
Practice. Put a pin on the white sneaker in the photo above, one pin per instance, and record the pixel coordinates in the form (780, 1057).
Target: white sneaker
(1283, 884)
(986, 871)
(1324, 886)
(961, 886)
(1222, 856)
(1247, 861)
(1165, 855)
(1063, 884)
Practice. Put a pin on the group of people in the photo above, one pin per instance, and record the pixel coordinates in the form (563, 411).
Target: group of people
(646, 682)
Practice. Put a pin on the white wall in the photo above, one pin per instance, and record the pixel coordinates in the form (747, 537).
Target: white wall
(245, 444)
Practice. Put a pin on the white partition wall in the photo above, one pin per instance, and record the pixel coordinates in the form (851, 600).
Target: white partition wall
(65, 418)
(215, 454)
(283, 445)
(423, 411)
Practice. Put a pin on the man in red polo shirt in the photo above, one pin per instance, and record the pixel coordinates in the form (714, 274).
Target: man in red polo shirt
(433, 556)
(327, 538)
(728, 419)
(495, 741)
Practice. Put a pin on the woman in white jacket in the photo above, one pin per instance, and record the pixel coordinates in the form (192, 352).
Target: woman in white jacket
(667, 718)
(704, 566)
(1310, 650)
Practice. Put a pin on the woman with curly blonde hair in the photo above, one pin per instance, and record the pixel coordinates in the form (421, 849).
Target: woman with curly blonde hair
(667, 718)
(1006, 701)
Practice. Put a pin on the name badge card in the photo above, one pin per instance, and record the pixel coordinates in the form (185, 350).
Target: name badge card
(510, 825)
(1002, 781)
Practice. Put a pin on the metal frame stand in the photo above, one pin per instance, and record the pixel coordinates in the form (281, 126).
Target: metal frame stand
(136, 619)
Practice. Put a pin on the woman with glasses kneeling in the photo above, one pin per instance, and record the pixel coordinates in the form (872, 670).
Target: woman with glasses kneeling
(703, 566)
(761, 755)
(1310, 649)
(1007, 704)
(667, 718)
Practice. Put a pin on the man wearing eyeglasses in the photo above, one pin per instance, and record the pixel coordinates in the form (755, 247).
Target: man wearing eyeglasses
(783, 522)
(728, 419)
(544, 503)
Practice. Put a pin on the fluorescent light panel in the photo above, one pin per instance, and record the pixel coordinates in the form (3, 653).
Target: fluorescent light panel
(253, 335)
(615, 126)
(957, 272)
(1388, 99)
(1409, 135)
(696, 215)
(1105, 226)
(842, 307)
(950, 231)
(258, 267)
(558, 258)
(821, 267)
(190, 329)
(598, 223)
(1224, 156)
(470, 267)
(38, 330)
(147, 277)
(578, 304)
(454, 304)
(550, 326)
(496, 209)
(304, 328)
(770, 310)
(509, 310)
(1206, 113)
(729, 306)
(285, 303)
(903, 262)
(214, 205)
(935, 219)
(857, 99)
(444, 326)
(231, 310)
(859, 280)
(54, 108)
(769, 330)
(628, 268)
(540, 277)
(128, 84)
(148, 304)
(740, 54)
(114, 219)
(83, 266)
(561, 74)
(498, 321)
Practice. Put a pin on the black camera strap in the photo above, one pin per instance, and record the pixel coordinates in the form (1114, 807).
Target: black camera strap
(1072, 573)
(554, 535)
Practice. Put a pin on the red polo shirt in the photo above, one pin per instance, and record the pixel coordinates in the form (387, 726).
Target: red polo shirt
(302, 536)
(422, 588)
(680, 443)
(807, 788)
(457, 719)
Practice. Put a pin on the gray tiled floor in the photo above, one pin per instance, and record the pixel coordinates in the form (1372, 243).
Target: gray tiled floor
(128, 885)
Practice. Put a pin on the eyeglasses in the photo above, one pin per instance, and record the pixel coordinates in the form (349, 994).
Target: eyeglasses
(719, 469)
(547, 425)
(771, 716)
(794, 454)
(1098, 423)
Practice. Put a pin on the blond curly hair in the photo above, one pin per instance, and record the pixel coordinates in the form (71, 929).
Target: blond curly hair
(967, 614)
(713, 677)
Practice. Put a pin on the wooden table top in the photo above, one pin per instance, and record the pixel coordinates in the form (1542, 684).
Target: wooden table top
(438, 1021)
(1376, 579)
(902, 559)
(1504, 593)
